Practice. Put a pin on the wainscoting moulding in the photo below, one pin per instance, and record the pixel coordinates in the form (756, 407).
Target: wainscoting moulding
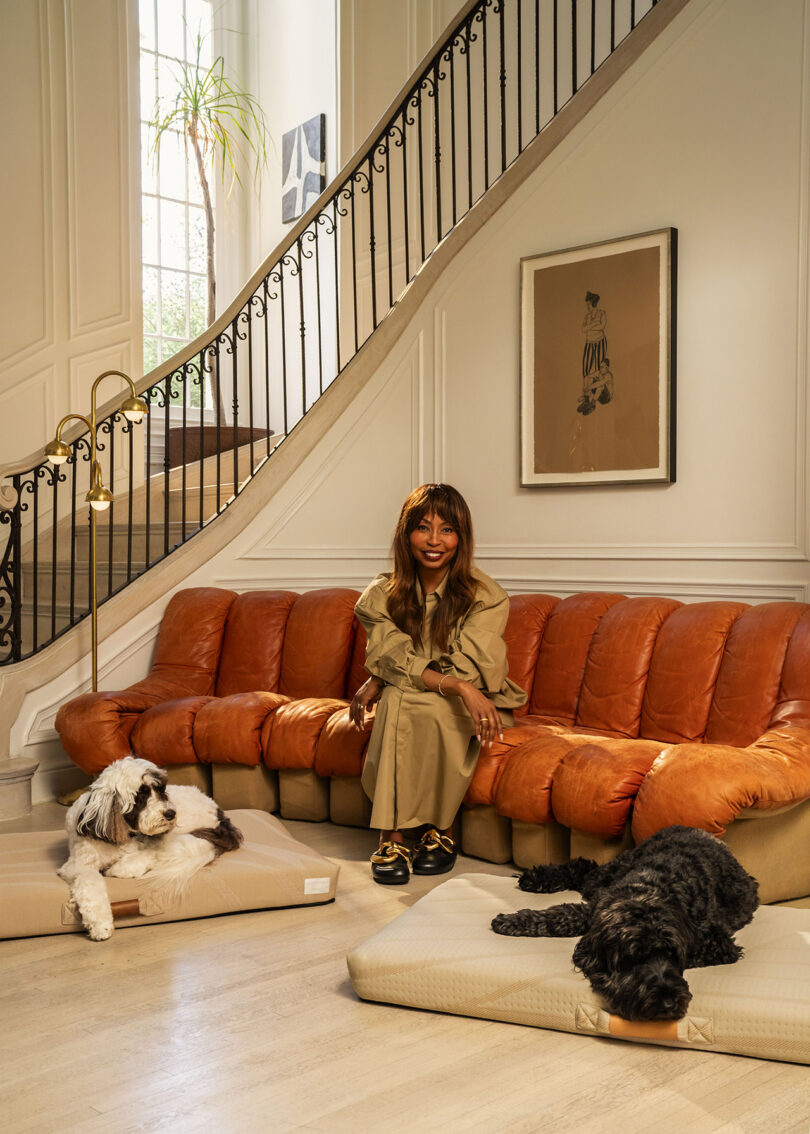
(379, 559)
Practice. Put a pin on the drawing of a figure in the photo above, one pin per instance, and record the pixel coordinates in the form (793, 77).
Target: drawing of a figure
(597, 379)
(598, 388)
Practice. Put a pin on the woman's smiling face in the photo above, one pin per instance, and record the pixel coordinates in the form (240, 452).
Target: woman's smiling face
(433, 543)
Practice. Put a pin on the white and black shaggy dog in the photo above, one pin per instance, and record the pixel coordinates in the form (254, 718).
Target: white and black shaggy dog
(669, 904)
(128, 824)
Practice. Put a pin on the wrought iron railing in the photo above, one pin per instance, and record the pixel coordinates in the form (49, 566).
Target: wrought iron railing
(489, 89)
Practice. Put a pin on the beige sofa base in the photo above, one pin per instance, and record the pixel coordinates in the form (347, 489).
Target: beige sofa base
(303, 795)
(486, 834)
(349, 806)
(192, 775)
(770, 845)
(773, 848)
(534, 842)
(235, 785)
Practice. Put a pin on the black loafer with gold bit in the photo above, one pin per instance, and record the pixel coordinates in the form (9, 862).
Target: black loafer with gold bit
(436, 854)
(390, 864)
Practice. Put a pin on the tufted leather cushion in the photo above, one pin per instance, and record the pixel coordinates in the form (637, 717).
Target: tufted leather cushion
(295, 730)
(595, 784)
(96, 728)
(254, 637)
(563, 654)
(228, 730)
(318, 644)
(750, 675)
(684, 669)
(525, 627)
(618, 663)
(341, 748)
(164, 734)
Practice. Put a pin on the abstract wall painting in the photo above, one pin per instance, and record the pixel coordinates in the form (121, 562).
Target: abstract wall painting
(303, 166)
(598, 363)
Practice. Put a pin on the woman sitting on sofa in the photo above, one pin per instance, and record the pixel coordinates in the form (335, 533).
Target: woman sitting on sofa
(437, 660)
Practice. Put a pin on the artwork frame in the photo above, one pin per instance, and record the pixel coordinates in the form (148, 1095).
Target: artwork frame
(597, 362)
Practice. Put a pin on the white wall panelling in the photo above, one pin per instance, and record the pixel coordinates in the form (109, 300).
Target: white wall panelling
(27, 197)
(98, 178)
(71, 288)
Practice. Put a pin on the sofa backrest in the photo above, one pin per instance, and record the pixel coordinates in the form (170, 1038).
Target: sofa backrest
(318, 644)
(253, 642)
(655, 668)
(563, 653)
(750, 678)
(720, 672)
(189, 643)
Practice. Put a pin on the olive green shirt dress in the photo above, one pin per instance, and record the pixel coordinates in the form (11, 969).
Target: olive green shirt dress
(423, 749)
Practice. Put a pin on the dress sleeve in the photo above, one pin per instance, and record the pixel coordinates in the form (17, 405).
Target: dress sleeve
(390, 653)
(477, 652)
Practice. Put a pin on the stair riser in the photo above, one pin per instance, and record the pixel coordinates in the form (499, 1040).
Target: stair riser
(122, 540)
(81, 586)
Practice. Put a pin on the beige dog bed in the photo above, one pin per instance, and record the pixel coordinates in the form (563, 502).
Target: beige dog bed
(442, 955)
(269, 870)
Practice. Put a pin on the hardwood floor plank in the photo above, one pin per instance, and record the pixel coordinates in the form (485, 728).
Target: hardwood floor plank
(248, 1023)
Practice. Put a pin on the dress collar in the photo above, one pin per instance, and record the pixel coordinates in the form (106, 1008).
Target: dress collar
(440, 589)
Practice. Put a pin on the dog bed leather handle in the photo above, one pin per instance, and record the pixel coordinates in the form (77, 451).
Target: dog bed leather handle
(129, 908)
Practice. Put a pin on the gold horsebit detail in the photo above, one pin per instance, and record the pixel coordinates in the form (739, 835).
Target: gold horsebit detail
(388, 853)
(434, 840)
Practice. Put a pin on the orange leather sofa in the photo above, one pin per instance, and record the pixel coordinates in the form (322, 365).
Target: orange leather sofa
(642, 712)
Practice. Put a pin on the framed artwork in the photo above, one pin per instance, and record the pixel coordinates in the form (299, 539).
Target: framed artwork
(597, 363)
(303, 166)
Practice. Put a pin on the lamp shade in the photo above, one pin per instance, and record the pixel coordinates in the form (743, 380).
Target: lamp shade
(57, 452)
(134, 408)
(99, 497)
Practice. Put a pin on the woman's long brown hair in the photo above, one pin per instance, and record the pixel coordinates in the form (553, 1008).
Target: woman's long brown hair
(405, 605)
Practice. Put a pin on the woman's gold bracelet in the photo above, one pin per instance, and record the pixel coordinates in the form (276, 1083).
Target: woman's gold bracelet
(439, 689)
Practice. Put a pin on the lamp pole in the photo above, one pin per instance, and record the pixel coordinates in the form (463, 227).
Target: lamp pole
(99, 498)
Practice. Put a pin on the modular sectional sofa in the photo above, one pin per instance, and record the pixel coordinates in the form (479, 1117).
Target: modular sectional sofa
(642, 712)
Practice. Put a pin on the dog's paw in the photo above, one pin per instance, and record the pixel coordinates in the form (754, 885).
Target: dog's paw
(524, 923)
(100, 932)
(125, 869)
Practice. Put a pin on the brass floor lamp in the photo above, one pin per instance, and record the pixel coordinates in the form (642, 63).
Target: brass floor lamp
(99, 498)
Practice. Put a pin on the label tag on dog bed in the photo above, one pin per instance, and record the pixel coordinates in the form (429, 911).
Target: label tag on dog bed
(316, 885)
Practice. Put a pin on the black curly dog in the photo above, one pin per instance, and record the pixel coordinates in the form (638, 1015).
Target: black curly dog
(669, 904)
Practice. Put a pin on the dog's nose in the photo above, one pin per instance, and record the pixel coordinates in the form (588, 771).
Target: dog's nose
(169, 814)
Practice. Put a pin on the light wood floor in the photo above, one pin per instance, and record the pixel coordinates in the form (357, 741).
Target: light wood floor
(248, 1023)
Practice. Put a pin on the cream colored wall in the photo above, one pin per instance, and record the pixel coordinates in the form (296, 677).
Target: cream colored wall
(70, 288)
(686, 138)
(381, 42)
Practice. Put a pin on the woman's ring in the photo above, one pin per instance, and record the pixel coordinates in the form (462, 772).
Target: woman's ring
(483, 718)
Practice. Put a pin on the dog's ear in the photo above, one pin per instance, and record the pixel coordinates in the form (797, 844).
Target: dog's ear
(102, 818)
(588, 957)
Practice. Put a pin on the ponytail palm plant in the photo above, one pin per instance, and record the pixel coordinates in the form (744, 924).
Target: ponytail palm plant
(224, 125)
